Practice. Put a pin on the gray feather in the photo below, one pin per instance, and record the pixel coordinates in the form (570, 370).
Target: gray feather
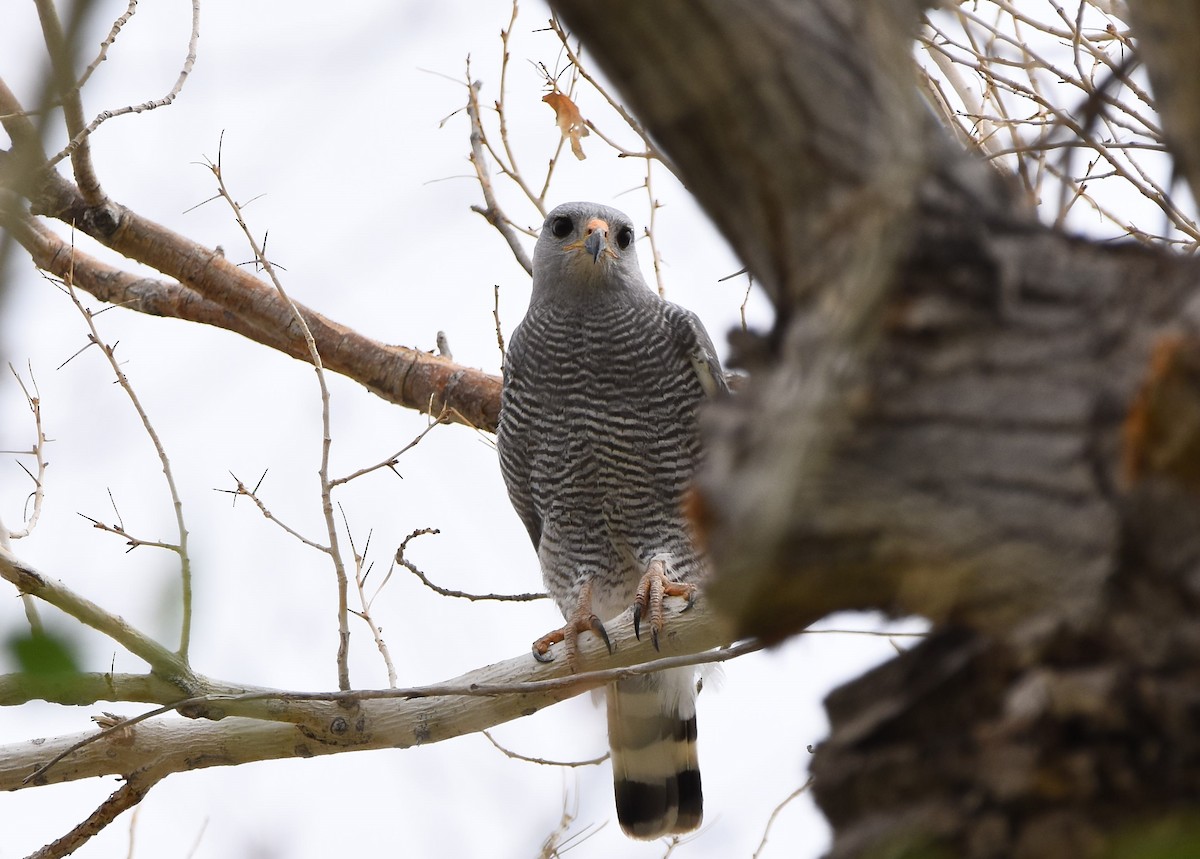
(599, 441)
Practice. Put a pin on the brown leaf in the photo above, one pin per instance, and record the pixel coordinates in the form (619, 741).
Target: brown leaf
(569, 119)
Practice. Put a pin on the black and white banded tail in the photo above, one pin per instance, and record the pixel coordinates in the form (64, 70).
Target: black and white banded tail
(652, 735)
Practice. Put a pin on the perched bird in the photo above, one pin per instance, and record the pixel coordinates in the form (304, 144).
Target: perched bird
(598, 443)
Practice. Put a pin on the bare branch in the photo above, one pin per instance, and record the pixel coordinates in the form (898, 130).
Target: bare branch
(77, 147)
(181, 547)
(252, 494)
(557, 28)
(491, 211)
(332, 549)
(29, 581)
(496, 316)
(509, 753)
(217, 292)
(446, 592)
(38, 451)
(128, 795)
(64, 79)
(771, 820)
(360, 720)
(360, 580)
(392, 460)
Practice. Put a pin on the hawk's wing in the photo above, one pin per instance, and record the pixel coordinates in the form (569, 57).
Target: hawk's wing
(705, 361)
(513, 440)
(701, 353)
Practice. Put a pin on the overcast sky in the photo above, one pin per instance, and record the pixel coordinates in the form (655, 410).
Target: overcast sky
(333, 126)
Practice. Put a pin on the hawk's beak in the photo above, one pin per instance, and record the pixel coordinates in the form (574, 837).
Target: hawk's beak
(597, 238)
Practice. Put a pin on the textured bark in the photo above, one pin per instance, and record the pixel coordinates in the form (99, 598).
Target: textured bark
(961, 414)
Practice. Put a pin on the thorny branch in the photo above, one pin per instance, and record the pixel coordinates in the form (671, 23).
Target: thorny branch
(392, 461)
(180, 547)
(360, 583)
(333, 548)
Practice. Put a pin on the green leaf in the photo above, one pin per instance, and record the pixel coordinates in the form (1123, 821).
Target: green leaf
(43, 654)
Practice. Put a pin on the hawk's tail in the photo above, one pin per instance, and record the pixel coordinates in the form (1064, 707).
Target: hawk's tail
(652, 734)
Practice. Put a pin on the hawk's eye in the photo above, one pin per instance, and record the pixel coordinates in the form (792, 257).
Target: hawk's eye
(624, 237)
(561, 227)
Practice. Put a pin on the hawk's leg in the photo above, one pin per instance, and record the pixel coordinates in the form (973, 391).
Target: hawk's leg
(649, 600)
(581, 620)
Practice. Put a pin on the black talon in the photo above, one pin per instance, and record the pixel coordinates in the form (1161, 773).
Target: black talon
(598, 628)
(543, 657)
(691, 601)
(637, 622)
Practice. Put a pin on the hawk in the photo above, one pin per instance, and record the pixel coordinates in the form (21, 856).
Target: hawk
(599, 441)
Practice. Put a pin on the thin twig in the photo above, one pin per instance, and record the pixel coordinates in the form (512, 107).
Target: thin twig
(496, 316)
(573, 56)
(133, 791)
(491, 210)
(392, 460)
(60, 51)
(78, 147)
(446, 592)
(360, 581)
(655, 255)
(242, 490)
(38, 451)
(332, 549)
(180, 547)
(516, 756)
(771, 820)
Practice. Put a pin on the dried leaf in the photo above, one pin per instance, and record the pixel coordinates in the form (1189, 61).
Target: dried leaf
(569, 120)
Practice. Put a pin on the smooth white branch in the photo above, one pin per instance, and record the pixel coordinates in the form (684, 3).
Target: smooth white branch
(378, 719)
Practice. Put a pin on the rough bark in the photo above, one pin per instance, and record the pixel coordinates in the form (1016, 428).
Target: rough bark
(961, 414)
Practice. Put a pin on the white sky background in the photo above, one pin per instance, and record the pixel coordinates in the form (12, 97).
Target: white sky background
(330, 118)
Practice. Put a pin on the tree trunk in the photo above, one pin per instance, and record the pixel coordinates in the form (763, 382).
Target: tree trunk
(961, 414)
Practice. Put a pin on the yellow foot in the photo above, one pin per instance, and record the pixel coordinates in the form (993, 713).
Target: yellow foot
(581, 620)
(649, 600)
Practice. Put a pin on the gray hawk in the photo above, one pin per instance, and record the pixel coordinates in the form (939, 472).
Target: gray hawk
(599, 441)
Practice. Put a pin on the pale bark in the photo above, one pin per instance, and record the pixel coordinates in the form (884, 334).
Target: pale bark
(237, 724)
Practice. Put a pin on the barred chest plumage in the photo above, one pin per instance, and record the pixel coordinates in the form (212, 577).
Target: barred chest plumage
(601, 401)
(598, 441)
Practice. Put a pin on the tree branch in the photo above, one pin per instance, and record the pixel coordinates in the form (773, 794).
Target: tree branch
(164, 662)
(328, 723)
(223, 295)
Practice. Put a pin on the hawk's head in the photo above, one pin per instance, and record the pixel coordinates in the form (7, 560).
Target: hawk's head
(584, 247)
